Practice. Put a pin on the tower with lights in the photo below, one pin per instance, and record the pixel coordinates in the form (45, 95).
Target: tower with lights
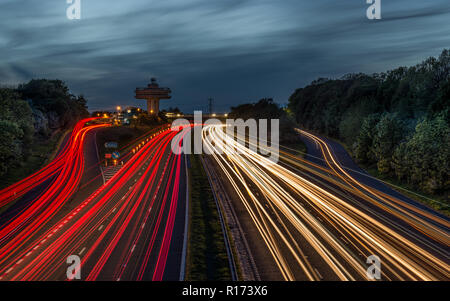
(153, 93)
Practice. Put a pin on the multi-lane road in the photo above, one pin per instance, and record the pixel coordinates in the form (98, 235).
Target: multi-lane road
(306, 221)
(130, 228)
(297, 218)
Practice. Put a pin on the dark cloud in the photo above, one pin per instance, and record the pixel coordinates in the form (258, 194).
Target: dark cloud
(418, 13)
(232, 50)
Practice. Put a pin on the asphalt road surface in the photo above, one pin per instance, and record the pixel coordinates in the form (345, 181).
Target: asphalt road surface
(131, 228)
(311, 221)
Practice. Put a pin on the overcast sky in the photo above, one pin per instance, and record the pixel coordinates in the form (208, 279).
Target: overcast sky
(232, 50)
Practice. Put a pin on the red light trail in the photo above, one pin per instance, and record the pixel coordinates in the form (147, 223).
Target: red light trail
(125, 216)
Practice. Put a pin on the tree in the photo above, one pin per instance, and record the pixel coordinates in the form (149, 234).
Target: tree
(376, 116)
(26, 114)
(389, 131)
(18, 112)
(424, 159)
(266, 108)
(53, 97)
(364, 143)
(10, 148)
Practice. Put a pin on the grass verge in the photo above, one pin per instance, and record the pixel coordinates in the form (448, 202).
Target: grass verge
(123, 135)
(41, 153)
(297, 148)
(207, 255)
(439, 203)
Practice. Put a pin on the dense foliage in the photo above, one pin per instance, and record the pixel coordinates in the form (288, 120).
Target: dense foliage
(144, 119)
(267, 109)
(397, 121)
(31, 111)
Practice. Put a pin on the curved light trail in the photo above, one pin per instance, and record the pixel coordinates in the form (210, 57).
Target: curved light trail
(18, 189)
(122, 231)
(326, 222)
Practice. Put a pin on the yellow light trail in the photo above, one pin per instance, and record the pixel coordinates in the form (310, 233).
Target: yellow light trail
(289, 211)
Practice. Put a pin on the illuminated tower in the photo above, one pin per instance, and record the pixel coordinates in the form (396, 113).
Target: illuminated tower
(153, 94)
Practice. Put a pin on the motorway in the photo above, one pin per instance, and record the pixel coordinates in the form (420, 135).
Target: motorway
(298, 219)
(130, 228)
(306, 221)
(71, 152)
(43, 194)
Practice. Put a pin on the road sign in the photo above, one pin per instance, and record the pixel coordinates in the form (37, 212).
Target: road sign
(116, 155)
(111, 145)
(108, 156)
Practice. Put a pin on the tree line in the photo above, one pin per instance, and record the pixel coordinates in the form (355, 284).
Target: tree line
(397, 121)
(266, 108)
(33, 112)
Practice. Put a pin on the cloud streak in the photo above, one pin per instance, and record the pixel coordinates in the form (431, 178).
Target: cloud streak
(232, 50)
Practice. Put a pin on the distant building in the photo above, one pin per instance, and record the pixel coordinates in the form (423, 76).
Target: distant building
(153, 94)
(174, 115)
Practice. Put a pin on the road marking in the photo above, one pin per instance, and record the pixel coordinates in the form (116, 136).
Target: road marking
(100, 228)
(318, 274)
(81, 252)
(51, 234)
(344, 240)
